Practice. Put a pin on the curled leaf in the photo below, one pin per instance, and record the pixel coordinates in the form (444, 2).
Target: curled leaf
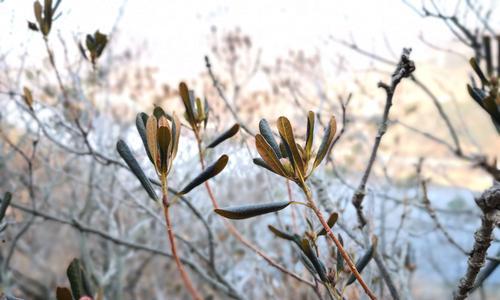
(209, 172)
(134, 166)
(224, 136)
(249, 211)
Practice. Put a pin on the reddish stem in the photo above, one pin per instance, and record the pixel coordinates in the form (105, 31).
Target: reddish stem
(341, 249)
(170, 232)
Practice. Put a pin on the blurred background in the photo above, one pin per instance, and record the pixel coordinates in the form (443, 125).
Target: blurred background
(265, 59)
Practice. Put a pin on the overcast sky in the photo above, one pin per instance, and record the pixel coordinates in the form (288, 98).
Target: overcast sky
(177, 31)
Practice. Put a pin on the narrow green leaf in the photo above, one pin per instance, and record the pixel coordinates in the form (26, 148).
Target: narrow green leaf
(209, 172)
(266, 132)
(318, 265)
(48, 15)
(308, 264)
(206, 108)
(309, 134)
(184, 92)
(487, 55)
(340, 258)
(63, 293)
(253, 210)
(331, 221)
(224, 136)
(324, 148)
(199, 109)
(134, 166)
(281, 234)
(5, 204)
(176, 133)
(140, 123)
(364, 260)
(77, 278)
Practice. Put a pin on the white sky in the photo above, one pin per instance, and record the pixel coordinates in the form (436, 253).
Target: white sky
(177, 31)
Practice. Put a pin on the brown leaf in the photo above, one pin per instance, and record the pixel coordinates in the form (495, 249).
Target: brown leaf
(268, 155)
(286, 133)
(151, 135)
(28, 97)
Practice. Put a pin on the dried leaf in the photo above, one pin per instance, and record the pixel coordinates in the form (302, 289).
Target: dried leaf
(28, 98)
(63, 293)
(210, 172)
(253, 210)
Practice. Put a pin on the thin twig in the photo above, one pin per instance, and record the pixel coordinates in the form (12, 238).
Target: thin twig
(404, 69)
